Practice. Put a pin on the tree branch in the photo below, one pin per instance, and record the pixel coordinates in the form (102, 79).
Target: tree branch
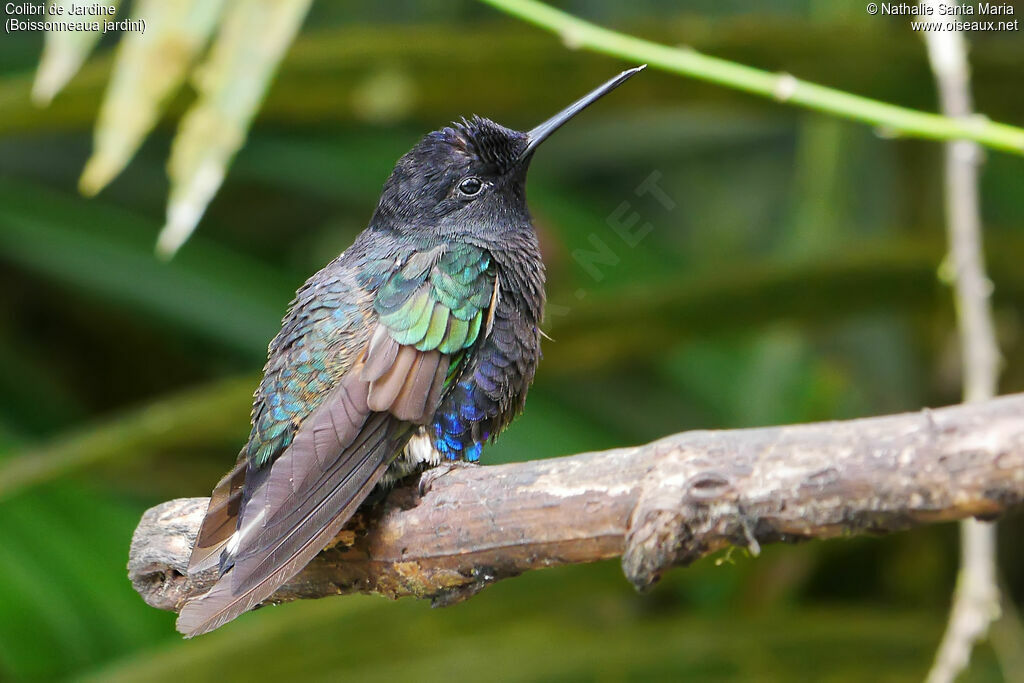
(663, 504)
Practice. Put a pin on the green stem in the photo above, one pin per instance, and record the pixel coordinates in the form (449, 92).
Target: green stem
(783, 87)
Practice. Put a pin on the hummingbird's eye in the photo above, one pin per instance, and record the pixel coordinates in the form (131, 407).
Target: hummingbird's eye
(470, 186)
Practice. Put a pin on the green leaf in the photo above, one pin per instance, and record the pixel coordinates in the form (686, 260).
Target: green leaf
(566, 624)
(64, 602)
(188, 418)
(107, 252)
(64, 52)
(150, 66)
(253, 37)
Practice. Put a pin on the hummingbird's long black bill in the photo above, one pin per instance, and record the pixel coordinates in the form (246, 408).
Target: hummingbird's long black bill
(544, 130)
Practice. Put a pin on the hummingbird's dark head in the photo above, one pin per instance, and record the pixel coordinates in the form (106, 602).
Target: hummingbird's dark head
(470, 177)
(455, 175)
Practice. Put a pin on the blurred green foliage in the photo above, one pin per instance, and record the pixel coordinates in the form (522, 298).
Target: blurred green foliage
(796, 279)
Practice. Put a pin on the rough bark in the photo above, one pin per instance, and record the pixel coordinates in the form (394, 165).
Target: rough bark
(663, 504)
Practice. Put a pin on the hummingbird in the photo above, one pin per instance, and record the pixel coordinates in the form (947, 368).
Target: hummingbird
(415, 346)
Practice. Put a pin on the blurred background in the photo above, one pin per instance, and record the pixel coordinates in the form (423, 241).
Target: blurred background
(797, 277)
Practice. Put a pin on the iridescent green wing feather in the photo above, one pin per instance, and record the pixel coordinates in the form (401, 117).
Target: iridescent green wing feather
(438, 299)
(430, 310)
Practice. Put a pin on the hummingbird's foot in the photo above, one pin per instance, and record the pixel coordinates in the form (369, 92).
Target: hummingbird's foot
(431, 475)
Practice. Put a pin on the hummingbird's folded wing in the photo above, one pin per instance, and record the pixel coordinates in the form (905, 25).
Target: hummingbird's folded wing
(293, 507)
(428, 313)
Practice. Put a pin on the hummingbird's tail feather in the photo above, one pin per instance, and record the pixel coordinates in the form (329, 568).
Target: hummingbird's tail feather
(293, 508)
(221, 518)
